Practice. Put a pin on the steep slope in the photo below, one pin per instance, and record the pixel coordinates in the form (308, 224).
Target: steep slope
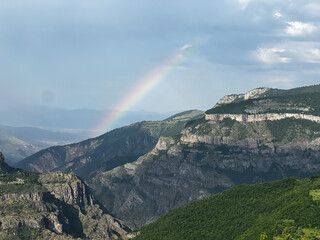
(110, 150)
(51, 206)
(244, 212)
(213, 153)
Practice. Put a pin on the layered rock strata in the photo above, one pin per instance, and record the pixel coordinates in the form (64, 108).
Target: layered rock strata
(261, 117)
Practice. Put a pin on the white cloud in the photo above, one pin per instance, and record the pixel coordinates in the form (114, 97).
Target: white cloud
(185, 47)
(271, 55)
(312, 55)
(290, 52)
(244, 3)
(297, 28)
(277, 14)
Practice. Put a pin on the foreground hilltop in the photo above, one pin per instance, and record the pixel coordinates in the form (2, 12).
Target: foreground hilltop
(216, 152)
(244, 212)
(51, 206)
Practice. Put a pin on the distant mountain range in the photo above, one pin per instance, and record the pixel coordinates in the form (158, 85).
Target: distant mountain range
(18, 143)
(26, 130)
(85, 119)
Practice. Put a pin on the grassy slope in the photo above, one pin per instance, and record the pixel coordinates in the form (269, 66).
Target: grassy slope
(243, 212)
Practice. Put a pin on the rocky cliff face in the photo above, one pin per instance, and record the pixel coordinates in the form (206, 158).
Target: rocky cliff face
(52, 206)
(210, 155)
(255, 93)
(261, 117)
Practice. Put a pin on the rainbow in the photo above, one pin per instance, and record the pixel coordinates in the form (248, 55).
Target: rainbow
(138, 91)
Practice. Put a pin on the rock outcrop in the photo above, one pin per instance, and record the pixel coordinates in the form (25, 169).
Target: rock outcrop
(261, 117)
(255, 93)
(52, 206)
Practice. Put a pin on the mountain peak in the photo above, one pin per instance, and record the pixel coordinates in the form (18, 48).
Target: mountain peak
(254, 93)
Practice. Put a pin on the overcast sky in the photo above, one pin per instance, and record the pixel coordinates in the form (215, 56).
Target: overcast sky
(90, 53)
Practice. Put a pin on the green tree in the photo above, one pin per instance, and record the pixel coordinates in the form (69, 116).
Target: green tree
(287, 236)
(264, 236)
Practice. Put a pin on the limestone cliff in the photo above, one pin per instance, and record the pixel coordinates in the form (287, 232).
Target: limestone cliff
(255, 93)
(261, 117)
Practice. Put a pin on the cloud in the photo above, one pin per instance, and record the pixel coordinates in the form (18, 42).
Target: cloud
(290, 52)
(116, 42)
(312, 9)
(297, 28)
(183, 48)
(244, 3)
(271, 55)
(277, 14)
(312, 55)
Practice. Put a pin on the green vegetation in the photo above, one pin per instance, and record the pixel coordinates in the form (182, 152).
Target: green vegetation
(244, 212)
(186, 116)
(304, 100)
(13, 208)
(20, 182)
(300, 90)
(286, 130)
(231, 108)
(27, 233)
(22, 233)
(201, 127)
